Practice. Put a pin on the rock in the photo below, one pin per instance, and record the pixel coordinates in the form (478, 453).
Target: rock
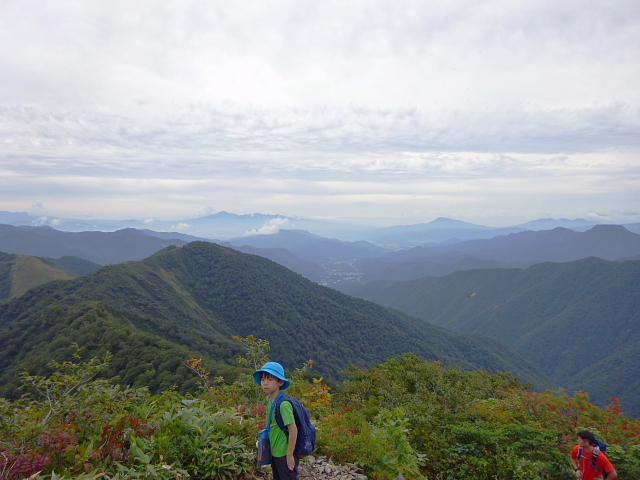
(322, 468)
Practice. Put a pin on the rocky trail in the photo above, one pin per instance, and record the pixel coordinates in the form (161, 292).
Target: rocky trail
(321, 468)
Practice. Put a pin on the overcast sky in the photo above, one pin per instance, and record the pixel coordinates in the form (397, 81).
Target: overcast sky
(380, 112)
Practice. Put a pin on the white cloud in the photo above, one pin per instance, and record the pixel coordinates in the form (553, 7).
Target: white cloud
(270, 227)
(38, 209)
(180, 227)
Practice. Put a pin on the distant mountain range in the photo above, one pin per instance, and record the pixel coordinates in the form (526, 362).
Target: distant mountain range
(99, 247)
(188, 301)
(222, 225)
(311, 247)
(578, 321)
(225, 226)
(523, 249)
(337, 263)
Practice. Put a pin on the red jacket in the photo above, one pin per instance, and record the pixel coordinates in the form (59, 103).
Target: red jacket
(588, 473)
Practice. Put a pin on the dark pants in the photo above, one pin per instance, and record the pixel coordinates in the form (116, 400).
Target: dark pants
(281, 470)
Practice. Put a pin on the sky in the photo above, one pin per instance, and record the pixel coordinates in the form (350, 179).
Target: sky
(384, 113)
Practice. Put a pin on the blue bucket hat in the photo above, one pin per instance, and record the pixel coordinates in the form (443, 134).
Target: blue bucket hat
(274, 369)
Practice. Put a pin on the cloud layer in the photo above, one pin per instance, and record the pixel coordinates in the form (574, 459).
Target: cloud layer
(498, 110)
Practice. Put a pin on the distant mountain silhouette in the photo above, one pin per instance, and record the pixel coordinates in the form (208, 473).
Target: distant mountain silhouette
(578, 321)
(225, 225)
(437, 231)
(221, 225)
(609, 242)
(311, 247)
(579, 224)
(99, 247)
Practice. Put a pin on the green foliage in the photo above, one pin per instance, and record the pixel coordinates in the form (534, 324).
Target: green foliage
(380, 445)
(459, 425)
(138, 358)
(256, 355)
(200, 442)
(407, 416)
(579, 322)
(56, 391)
(77, 424)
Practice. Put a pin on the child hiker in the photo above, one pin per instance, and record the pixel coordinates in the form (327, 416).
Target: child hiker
(284, 459)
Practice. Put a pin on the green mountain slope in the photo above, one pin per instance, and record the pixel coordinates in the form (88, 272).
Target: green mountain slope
(189, 301)
(19, 273)
(578, 321)
(74, 265)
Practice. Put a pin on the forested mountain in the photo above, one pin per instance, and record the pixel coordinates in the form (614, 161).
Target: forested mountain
(306, 268)
(74, 265)
(578, 321)
(19, 273)
(189, 301)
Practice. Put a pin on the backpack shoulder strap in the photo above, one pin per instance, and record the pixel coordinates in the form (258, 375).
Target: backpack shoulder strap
(594, 458)
(278, 415)
(273, 406)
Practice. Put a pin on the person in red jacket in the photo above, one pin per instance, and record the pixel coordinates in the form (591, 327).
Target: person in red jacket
(586, 466)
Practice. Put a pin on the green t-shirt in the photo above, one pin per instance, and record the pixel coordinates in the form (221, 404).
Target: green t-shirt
(278, 439)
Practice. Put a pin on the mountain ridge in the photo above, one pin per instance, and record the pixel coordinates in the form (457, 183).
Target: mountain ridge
(194, 298)
(563, 317)
(516, 250)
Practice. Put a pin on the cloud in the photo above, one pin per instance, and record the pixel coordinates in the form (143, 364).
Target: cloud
(213, 132)
(38, 209)
(429, 54)
(270, 227)
(319, 108)
(180, 227)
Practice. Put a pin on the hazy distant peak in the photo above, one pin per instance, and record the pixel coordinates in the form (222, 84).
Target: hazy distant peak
(36, 227)
(609, 230)
(444, 222)
(130, 230)
(550, 223)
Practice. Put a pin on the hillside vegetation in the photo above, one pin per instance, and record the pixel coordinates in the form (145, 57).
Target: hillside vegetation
(578, 321)
(406, 417)
(189, 301)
